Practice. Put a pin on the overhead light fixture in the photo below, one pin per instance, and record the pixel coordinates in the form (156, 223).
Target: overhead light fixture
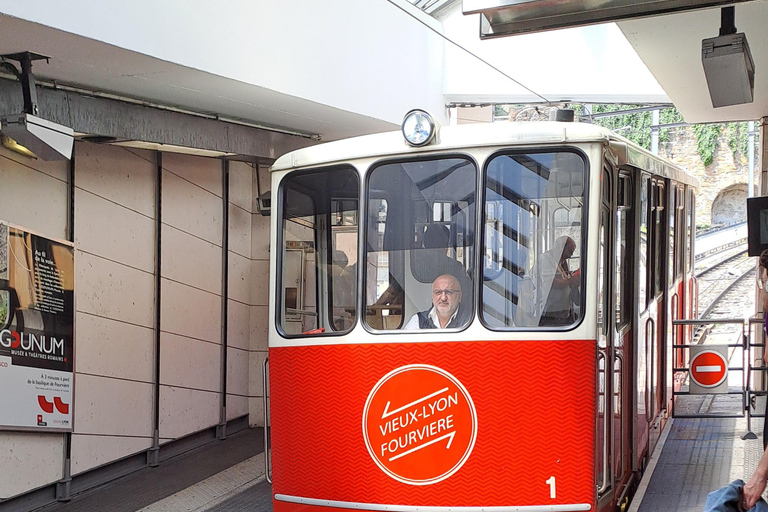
(728, 64)
(26, 132)
(32, 134)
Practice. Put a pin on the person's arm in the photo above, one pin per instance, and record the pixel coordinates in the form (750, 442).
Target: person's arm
(756, 485)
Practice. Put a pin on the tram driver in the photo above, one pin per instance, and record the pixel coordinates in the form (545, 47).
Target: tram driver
(446, 311)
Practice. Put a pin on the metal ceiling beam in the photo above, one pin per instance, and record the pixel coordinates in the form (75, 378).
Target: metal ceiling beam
(501, 18)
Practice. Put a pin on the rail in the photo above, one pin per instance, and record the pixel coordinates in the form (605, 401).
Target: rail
(265, 390)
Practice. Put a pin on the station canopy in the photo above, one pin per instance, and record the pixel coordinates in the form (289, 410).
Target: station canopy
(614, 51)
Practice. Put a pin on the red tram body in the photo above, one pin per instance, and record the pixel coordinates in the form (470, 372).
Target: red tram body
(551, 388)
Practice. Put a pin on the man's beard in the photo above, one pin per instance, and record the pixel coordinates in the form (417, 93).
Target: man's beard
(445, 309)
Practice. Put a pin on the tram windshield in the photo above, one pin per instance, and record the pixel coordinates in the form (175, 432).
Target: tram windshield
(419, 244)
(418, 270)
(532, 240)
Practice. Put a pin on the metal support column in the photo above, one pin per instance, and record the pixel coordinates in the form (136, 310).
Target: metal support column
(63, 486)
(221, 428)
(655, 116)
(153, 455)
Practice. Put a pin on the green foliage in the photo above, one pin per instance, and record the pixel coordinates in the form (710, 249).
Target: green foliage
(738, 139)
(637, 128)
(706, 141)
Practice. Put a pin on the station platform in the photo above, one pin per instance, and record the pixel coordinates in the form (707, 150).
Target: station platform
(221, 476)
(698, 456)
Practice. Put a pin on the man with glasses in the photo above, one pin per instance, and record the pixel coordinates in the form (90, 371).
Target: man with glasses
(445, 312)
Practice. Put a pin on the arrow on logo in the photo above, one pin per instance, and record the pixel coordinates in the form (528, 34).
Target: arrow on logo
(387, 413)
(446, 436)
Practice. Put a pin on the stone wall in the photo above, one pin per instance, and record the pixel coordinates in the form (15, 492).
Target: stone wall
(724, 172)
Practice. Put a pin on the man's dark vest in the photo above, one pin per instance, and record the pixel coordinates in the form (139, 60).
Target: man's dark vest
(457, 321)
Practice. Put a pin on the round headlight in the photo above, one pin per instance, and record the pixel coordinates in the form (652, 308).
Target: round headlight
(418, 128)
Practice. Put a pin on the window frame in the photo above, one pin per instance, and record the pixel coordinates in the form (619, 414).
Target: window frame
(363, 255)
(480, 279)
(279, 257)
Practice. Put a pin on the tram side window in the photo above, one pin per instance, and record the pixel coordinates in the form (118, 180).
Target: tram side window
(658, 237)
(532, 240)
(420, 226)
(623, 285)
(318, 271)
(672, 246)
(643, 255)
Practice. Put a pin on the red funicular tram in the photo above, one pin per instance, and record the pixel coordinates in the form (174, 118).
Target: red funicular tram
(475, 317)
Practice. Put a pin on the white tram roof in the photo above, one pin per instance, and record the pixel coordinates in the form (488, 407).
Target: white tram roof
(485, 135)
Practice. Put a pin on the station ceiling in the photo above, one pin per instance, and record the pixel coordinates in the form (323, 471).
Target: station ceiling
(666, 34)
(670, 46)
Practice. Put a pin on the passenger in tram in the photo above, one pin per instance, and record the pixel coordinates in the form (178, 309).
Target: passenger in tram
(557, 283)
(433, 261)
(446, 311)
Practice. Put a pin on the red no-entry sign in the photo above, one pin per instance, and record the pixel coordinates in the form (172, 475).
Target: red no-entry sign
(709, 369)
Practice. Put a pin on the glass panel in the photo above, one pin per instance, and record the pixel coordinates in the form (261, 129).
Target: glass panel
(672, 216)
(658, 242)
(533, 240)
(421, 217)
(318, 282)
(642, 270)
(622, 285)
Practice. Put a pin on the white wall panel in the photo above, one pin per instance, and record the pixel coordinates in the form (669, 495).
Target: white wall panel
(240, 283)
(237, 371)
(192, 209)
(256, 411)
(114, 349)
(236, 406)
(239, 231)
(238, 324)
(113, 231)
(89, 452)
(190, 312)
(112, 406)
(260, 237)
(184, 411)
(260, 288)
(189, 363)
(206, 173)
(255, 376)
(29, 460)
(112, 290)
(33, 199)
(259, 327)
(241, 185)
(123, 175)
(190, 260)
(55, 169)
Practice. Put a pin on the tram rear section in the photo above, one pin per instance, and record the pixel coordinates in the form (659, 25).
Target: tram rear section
(567, 252)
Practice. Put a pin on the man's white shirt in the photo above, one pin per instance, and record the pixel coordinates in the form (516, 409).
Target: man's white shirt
(413, 323)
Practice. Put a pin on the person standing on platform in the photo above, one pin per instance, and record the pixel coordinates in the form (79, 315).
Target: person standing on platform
(756, 485)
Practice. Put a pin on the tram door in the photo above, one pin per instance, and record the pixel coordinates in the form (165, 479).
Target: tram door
(614, 338)
(605, 348)
(650, 351)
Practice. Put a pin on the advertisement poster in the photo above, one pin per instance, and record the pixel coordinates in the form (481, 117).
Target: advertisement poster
(36, 331)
